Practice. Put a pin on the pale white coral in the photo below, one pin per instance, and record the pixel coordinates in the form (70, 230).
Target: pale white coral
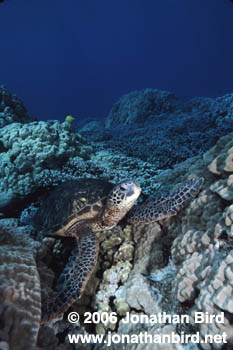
(216, 297)
(223, 162)
(228, 216)
(224, 188)
(201, 252)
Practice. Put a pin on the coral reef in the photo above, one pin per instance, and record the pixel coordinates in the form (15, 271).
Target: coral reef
(20, 294)
(143, 105)
(32, 148)
(203, 250)
(137, 106)
(182, 265)
(12, 109)
(199, 242)
(156, 127)
(118, 167)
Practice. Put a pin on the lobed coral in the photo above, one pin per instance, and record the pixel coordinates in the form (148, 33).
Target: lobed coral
(20, 292)
(199, 242)
(203, 251)
(180, 265)
(32, 148)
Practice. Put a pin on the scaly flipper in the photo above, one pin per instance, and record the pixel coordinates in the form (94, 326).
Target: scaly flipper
(166, 205)
(74, 277)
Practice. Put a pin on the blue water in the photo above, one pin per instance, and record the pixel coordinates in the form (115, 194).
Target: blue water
(78, 57)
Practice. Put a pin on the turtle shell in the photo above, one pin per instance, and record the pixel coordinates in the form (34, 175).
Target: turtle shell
(72, 201)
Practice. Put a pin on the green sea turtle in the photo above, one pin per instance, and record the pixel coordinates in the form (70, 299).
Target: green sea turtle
(82, 207)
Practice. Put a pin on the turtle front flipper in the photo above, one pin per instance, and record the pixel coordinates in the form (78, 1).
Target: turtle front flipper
(167, 205)
(71, 283)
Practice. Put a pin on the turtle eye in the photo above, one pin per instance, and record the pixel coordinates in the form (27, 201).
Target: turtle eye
(123, 188)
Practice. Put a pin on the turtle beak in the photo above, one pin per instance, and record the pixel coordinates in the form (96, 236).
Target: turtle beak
(133, 191)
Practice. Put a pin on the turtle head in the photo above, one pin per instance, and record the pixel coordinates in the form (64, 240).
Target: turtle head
(119, 202)
(124, 195)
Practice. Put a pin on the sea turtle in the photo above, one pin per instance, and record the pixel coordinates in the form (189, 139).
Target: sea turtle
(82, 207)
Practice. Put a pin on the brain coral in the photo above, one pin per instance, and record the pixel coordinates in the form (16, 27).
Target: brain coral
(20, 297)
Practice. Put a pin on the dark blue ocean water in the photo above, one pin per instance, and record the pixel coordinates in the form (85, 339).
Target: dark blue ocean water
(78, 57)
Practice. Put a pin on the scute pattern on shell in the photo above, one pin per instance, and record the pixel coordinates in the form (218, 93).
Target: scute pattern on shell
(71, 199)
